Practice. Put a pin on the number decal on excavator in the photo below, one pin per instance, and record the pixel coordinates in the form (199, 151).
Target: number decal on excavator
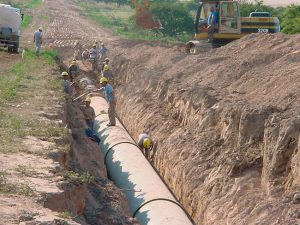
(263, 30)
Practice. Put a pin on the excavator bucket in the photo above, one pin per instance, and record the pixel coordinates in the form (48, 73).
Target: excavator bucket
(143, 16)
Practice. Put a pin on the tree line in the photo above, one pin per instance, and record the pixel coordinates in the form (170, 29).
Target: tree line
(176, 17)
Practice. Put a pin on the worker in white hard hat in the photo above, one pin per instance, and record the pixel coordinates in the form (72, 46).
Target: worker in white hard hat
(88, 112)
(111, 100)
(85, 54)
(67, 85)
(38, 40)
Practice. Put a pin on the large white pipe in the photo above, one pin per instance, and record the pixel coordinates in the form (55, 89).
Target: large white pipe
(150, 200)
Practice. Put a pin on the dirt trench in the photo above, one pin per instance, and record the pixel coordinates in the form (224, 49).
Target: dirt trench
(226, 122)
(88, 195)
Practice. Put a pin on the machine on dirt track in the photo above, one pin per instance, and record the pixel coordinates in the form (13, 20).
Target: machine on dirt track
(231, 25)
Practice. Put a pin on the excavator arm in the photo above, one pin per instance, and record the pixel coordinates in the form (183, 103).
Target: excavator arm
(143, 16)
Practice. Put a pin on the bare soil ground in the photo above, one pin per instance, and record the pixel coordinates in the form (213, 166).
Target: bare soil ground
(227, 124)
(226, 120)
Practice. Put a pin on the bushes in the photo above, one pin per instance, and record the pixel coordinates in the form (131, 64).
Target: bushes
(291, 20)
(175, 19)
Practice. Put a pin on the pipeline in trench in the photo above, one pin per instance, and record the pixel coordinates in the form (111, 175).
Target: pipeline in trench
(149, 198)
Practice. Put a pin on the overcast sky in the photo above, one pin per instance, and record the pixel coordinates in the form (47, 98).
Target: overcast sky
(281, 2)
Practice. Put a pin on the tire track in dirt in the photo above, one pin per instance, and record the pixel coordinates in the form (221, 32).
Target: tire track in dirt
(67, 26)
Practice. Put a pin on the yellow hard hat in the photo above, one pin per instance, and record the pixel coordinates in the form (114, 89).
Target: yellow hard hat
(87, 99)
(64, 73)
(106, 68)
(103, 79)
(74, 62)
(106, 59)
(146, 143)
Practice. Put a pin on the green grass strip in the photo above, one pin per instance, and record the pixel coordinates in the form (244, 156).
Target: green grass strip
(33, 4)
(26, 21)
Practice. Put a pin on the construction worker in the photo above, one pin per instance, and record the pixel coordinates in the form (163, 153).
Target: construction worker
(145, 143)
(111, 100)
(88, 112)
(67, 85)
(73, 69)
(85, 54)
(78, 50)
(38, 40)
(97, 45)
(212, 23)
(106, 69)
(93, 57)
(103, 52)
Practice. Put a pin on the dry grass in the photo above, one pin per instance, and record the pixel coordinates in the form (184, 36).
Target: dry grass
(7, 187)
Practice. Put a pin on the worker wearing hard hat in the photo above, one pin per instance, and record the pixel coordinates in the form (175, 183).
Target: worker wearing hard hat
(106, 69)
(73, 69)
(85, 54)
(88, 112)
(94, 53)
(111, 100)
(67, 85)
(103, 52)
(93, 57)
(38, 40)
(145, 143)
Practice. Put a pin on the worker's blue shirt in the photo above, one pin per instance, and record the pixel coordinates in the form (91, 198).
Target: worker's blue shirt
(108, 91)
(216, 18)
(38, 37)
(103, 50)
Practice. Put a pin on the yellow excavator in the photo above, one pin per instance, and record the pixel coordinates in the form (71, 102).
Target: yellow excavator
(231, 25)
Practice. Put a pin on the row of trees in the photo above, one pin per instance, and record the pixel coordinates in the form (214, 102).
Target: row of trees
(176, 18)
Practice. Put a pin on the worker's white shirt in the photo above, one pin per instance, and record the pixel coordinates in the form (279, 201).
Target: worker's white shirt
(94, 53)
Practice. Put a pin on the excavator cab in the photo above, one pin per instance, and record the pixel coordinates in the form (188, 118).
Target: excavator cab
(230, 25)
(229, 20)
(227, 29)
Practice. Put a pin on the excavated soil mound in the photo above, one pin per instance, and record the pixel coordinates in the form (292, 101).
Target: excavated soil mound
(227, 123)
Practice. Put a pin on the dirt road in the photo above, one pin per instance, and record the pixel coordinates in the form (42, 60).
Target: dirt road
(67, 26)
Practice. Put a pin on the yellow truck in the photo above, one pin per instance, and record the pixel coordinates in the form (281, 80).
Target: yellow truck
(231, 25)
